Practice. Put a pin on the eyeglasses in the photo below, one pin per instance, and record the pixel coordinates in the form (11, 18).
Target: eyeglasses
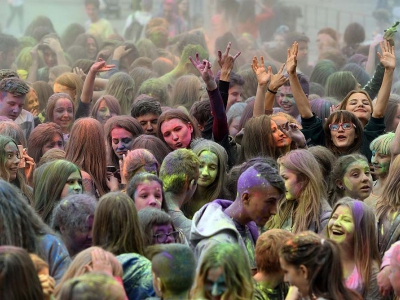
(162, 237)
(345, 126)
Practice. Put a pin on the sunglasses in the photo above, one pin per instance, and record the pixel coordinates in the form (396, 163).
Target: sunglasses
(345, 126)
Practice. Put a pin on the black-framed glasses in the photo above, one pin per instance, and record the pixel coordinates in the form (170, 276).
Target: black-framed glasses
(345, 126)
(162, 237)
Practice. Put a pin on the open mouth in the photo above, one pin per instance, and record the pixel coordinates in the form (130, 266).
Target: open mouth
(366, 188)
(337, 232)
(178, 145)
(341, 137)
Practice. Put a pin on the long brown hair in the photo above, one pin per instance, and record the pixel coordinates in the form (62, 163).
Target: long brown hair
(40, 136)
(116, 226)
(304, 165)
(80, 150)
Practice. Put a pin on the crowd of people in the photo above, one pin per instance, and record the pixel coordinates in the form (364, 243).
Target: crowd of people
(172, 163)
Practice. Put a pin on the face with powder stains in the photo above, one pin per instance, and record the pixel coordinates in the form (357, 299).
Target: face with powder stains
(215, 284)
(341, 225)
(381, 163)
(357, 181)
(176, 133)
(73, 185)
(285, 100)
(104, 113)
(78, 239)
(208, 168)
(295, 276)
(121, 141)
(148, 194)
(281, 121)
(293, 184)
(163, 234)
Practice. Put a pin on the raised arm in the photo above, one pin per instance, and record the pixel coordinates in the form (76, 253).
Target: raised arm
(388, 60)
(88, 86)
(263, 79)
(301, 99)
(277, 80)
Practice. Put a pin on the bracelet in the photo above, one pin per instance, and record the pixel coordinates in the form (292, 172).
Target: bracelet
(271, 91)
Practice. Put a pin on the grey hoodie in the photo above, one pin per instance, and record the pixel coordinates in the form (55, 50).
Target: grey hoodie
(211, 226)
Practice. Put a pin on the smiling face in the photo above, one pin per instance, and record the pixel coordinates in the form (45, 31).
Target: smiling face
(285, 100)
(208, 168)
(121, 141)
(341, 226)
(281, 121)
(381, 163)
(176, 133)
(215, 284)
(12, 161)
(292, 183)
(148, 194)
(360, 106)
(63, 113)
(357, 181)
(91, 48)
(73, 185)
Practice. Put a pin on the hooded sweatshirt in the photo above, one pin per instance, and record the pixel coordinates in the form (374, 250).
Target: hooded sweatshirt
(211, 226)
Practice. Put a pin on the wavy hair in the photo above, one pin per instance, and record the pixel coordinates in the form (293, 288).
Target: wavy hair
(121, 86)
(40, 136)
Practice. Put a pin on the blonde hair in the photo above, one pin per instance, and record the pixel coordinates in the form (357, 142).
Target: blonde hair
(73, 82)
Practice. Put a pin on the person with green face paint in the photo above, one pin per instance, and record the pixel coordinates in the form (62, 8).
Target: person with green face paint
(381, 159)
(212, 172)
(351, 177)
(352, 227)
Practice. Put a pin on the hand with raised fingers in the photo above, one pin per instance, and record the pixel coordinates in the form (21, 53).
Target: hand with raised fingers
(204, 68)
(100, 262)
(262, 75)
(387, 58)
(222, 56)
(292, 130)
(100, 66)
(278, 79)
(29, 166)
(47, 282)
(291, 61)
(34, 53)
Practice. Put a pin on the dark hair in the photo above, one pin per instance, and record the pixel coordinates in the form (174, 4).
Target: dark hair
(316, 89)
(116, 225)
(323, 263)
(292, 37)
(43, 91)
(329, 31)
(354, 34)
(201, 111)
(358, 72)
(7, 73)
(391, 111)
(71, 33)
(84, 64)
(18, 277)
(95, 3)
(145, 105)
(304, 83)
(343, 116)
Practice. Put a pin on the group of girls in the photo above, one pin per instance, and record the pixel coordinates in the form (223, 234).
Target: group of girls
(82, 206)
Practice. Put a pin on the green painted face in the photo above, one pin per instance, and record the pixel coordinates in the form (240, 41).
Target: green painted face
(208, 168)
(381, 163)
(341, 225)
(357, 181)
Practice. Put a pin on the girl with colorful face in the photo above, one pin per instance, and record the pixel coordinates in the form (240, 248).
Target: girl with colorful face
(164, 234)
(208, 169)
(176, 133)
(104, 112)
(63, 114)
(148, 194)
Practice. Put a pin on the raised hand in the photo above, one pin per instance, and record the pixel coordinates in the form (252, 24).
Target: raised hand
(222, 57)
(34, 53)
(278, 79)
(204, 68)
(263, 77)
(100, 262)
(292, 130)
(121, 51)
(291, 62)
(53, 44)
(100, 66)
(387, 58)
